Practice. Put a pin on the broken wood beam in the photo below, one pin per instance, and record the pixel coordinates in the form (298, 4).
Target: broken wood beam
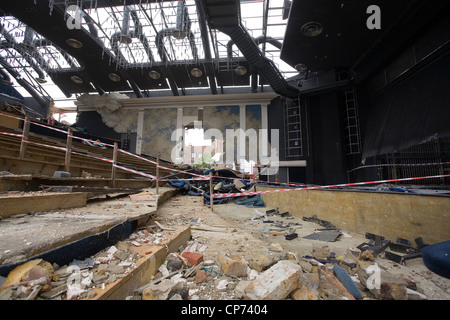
(146, 267)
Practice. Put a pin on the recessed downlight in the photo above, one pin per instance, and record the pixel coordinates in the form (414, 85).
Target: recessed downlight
(240, 70)
(311, 29)
(76, 79)
(300, 67)
(154, 75)
(114, 77)
(74, 43)
(196, 72)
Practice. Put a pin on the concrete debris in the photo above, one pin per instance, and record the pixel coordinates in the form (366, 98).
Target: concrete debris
(238, 270)
(275, 283)
(232, 265)
(382, 284)
(39, 280)
(263, 260)
(163, 290)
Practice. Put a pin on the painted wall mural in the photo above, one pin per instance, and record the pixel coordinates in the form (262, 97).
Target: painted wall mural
(160, 123)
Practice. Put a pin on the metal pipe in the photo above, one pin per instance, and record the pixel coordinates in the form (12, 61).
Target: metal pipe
(6, 78)
(138, 33)
(26, 56)
(11, 43)
(91, 24)
(43, 102)
(66, 56)
(28, 39)
(205, 41)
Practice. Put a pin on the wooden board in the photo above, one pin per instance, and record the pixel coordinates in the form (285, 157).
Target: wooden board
(24, 203)
(146, 267)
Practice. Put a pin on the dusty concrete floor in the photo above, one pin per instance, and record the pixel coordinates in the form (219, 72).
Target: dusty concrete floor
(233, 228)
(23, 236)
(230, 228)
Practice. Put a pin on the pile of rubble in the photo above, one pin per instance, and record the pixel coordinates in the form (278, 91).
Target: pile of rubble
(81, 279)
(202, 269)
(276, 275)
(269, 275)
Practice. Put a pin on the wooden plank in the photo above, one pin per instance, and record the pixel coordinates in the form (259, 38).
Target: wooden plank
(95, 190)
(23, 203)
(146, 267)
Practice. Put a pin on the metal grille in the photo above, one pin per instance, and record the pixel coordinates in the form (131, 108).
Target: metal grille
(435, 151)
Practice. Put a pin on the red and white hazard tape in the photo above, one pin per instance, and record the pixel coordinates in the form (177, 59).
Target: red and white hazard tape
(48, 127)
(162, 167)
(93, 157)
(46, 145)
(96, 143)
(12, 134)
(401, 165)
(228, 195)
(10, 116)
(260, 181)
(136, 172)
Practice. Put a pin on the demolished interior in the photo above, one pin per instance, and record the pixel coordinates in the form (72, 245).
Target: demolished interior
(224, 150)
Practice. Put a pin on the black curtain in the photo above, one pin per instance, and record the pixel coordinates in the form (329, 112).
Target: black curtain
(413, 111)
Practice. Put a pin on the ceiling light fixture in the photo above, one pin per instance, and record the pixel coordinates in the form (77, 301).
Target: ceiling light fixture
(76, 79)
(114, 77)
(311, 29)
(154, 75)
(74, 43)
(196, 72)
(300, 67)
(240, 70)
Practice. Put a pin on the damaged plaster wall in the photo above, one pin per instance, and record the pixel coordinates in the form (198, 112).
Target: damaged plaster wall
(160, 123)
(158, 127)
(225, 118)
(110, 108)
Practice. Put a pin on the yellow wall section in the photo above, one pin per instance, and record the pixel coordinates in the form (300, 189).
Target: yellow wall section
(390, 215)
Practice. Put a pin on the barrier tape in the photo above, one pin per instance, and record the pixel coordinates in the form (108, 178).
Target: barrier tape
(10, 116)
(48, 127)
(96, 143)
(162, 167)
(260, 181)
(188, 179)
(401, 165)
(200, 177)
(89, 156)
(45, 145)
(12, 134)
(228, 195)
(136, 172)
